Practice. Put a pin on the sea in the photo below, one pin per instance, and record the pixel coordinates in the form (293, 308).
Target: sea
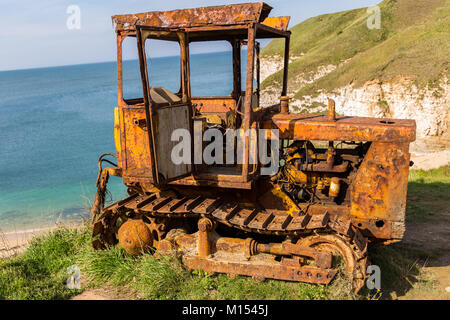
(55, 122)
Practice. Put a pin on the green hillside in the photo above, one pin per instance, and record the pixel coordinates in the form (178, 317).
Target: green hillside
(413, 41)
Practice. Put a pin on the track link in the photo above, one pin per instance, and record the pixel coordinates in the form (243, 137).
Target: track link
(231, 214)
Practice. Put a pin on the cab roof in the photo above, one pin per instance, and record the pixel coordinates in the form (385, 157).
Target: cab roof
(209, 22)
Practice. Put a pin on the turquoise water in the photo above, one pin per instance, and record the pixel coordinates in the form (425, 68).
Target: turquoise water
(55, 122)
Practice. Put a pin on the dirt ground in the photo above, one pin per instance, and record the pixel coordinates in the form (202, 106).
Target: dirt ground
(428, 161)
(107, 293)
(431, 237)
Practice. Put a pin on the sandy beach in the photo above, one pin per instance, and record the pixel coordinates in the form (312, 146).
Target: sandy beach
(428, 161)
(14, 242)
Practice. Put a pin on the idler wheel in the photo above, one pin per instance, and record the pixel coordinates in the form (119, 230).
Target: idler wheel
(343, 251)
(135, 237)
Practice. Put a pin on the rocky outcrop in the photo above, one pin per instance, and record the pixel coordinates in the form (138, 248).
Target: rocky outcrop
(397, 98)
(272, 64)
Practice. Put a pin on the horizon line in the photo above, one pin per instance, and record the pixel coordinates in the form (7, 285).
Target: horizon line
(111, 61)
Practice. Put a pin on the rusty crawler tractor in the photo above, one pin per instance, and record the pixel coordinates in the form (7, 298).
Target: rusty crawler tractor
(340, 188)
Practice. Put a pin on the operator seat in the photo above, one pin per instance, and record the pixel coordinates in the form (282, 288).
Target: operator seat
(161, 95)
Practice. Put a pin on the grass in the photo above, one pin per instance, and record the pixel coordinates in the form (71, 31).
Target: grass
(412, 42)
(401, 270)
(428, 194)
(41, 271)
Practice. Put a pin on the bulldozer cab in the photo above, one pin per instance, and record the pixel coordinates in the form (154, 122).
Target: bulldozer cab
(147, 125)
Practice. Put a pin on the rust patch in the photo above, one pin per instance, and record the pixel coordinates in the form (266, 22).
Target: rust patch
(185, 18)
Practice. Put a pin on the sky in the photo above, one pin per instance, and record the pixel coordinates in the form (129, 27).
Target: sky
(35, 34)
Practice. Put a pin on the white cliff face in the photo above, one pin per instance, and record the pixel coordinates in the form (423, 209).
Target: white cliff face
(398, 98)
(272, 64)
(270, 96)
